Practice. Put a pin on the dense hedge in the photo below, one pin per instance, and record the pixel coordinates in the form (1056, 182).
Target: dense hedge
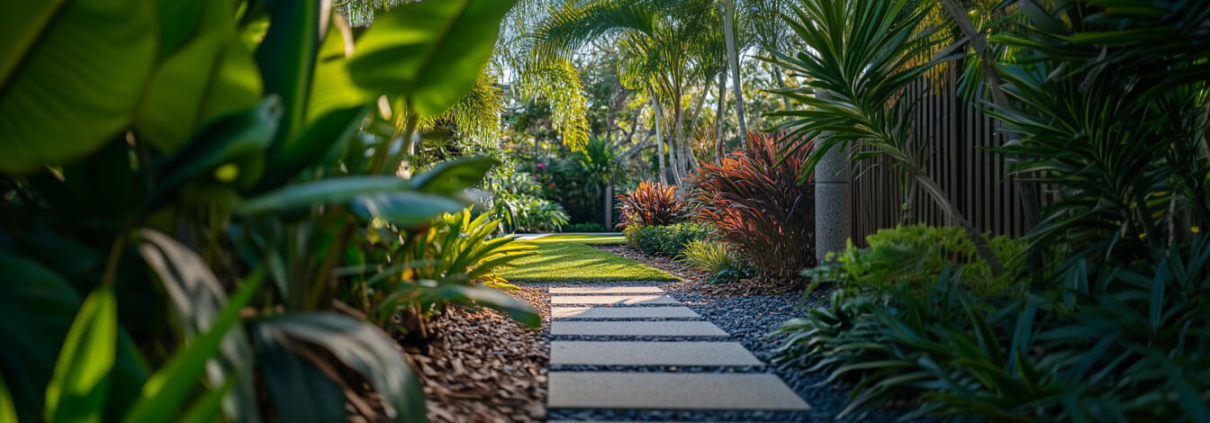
(667, 240)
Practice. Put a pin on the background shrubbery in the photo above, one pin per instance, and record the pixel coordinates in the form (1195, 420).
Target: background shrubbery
(667, 240)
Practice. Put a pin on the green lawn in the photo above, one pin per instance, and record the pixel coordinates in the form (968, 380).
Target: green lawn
(593, 239)
(566, 261)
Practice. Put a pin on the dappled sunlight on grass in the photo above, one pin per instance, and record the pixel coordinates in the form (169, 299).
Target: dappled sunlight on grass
(574, 261)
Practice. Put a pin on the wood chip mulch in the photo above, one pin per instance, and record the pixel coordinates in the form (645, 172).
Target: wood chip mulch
(483, 366)
(698, 280)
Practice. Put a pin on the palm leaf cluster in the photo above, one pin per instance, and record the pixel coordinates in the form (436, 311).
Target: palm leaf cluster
(1112, 119)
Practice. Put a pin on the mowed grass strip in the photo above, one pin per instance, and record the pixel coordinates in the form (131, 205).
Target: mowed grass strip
(573, 261)
(590, 239)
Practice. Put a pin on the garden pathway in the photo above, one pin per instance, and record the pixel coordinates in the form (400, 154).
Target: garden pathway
(636, 349)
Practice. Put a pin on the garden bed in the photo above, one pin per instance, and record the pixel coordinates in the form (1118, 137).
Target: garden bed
(484, 366)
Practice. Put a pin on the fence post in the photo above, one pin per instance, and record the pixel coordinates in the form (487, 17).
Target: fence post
(831, 199)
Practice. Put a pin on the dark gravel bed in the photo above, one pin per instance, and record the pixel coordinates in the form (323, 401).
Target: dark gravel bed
(749, 320)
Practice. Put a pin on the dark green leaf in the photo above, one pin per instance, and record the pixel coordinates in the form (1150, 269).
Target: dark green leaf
(299, 391)
(406, 209)
(327, 191)
(452, 176)
(430, 52)
(168, 388)
(311, 145)
(71, 72)
(197, 298)
(365, 349)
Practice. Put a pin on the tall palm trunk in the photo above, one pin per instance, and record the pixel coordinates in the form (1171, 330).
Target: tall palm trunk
(733, 60)
(719, 151)
(697, 116)
(657, 115)
(675, 143)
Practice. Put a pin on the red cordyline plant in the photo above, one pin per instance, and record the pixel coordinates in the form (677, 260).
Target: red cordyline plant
(761, 207)
(652, 204)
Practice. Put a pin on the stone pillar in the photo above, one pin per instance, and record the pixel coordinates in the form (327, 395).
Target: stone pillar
(831, 201)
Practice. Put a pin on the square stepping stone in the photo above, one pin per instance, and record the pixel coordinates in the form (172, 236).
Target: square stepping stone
(608, 290)
(613, 299)
(622, 313)
(636, 328)
(651, 353)
(672, 391)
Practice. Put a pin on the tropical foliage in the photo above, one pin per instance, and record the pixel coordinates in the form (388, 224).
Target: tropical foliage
(665, 240)
(759, 205)
(1103, 105)
(163, 165)
(652, 204)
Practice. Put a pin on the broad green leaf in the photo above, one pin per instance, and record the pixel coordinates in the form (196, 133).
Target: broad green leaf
(8, 413)
(332, 88)
(365, 349)
(208, 408)
(299, 391)
(311, 145)
(431, 52)
(36, 311)
(177, 19)
(238, 140)
(493, 299)
(287, 59)
(80, 383)
(197, 298)
(406, 209)
(210, 76)
(326, 191)
(168, 388)
(452, 176)
(71, 73)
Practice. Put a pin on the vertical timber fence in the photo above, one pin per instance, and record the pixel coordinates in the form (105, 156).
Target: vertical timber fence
(954, 135)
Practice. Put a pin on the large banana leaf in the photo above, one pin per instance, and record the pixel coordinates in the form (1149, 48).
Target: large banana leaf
(71, 73)
(431, 52)
(212, 75)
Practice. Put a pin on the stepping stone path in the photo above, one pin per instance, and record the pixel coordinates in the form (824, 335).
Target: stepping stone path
(635, 349)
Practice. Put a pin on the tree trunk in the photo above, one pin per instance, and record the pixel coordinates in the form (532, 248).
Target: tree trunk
(1031, 202)
(733, 60)
(677, 153)
(697, 115)
(719, 150)
(609, 203)
(781, 83)
(659, 138)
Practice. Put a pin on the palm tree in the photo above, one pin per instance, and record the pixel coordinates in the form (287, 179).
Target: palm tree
(660, 39)
(863, 54)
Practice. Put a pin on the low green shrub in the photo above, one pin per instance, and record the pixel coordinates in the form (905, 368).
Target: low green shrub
(916, 255)
(720, 259)
(584, 227)
(667, 240)
(1123, 342)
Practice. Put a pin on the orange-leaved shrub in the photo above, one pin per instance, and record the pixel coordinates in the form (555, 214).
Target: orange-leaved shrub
(652, 204)
(759, 206)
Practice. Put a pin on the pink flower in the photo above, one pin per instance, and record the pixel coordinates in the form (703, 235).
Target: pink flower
(552, 185)
(541, 165)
